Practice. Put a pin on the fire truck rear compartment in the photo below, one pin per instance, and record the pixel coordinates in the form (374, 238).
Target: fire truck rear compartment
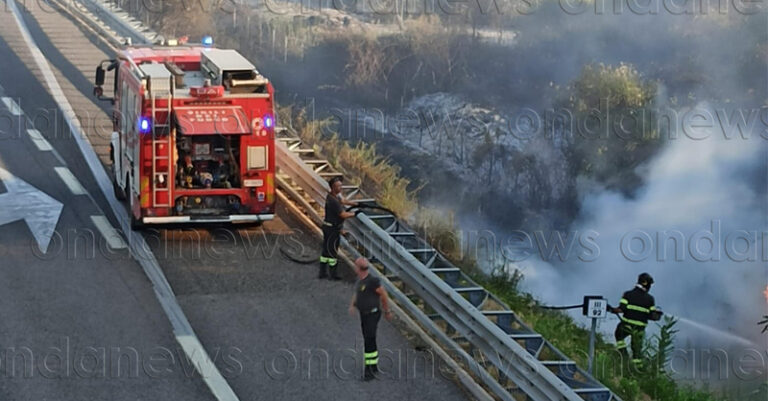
(214, 162)
(211, 185)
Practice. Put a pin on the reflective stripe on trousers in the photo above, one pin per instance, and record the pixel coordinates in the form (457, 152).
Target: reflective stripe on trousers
(369, 323)
(371, 358)
(331, 261)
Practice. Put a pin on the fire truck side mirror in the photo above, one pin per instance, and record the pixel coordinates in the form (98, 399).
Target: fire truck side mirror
(98, 91)
(100, 76)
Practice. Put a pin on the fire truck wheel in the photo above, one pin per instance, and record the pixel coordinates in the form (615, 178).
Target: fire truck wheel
(119, 192)
(136, 224)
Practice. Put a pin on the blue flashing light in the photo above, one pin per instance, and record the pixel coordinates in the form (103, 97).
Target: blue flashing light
(269, 122)
(207, 40)
(144, 125)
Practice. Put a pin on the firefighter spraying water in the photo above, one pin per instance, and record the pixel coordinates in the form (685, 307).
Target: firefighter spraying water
(636, 307)
(193, 138)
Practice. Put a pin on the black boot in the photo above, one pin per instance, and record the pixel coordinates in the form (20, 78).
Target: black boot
(334, 275)
(370, 372)
(323, 270)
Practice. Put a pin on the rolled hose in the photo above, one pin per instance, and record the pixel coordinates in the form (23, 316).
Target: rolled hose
(297, 259)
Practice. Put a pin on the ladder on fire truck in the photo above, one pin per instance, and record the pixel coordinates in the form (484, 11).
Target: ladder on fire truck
(161, 137)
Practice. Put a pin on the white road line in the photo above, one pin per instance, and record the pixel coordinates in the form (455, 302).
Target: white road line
(32, 135)
(140, 250)
(70, 181)
(12, 106)
(41, 143)
(114, 240)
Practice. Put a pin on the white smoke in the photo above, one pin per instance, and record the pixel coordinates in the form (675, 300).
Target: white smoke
(713, 188)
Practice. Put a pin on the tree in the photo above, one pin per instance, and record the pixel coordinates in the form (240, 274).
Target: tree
(177, 18)
(612, 128)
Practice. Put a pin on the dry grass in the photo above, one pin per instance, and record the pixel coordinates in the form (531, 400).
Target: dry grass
(360, 163)
(438, 227)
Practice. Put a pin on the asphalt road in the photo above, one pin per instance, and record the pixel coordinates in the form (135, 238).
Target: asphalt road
(79, 322)
(287, 334)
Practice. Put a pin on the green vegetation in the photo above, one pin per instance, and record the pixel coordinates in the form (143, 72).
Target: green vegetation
(437, 227)
(612, 125)
(360, 163)
(650, 382)
(388, 69)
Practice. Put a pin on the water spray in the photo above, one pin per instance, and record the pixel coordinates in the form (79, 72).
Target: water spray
(714, 331)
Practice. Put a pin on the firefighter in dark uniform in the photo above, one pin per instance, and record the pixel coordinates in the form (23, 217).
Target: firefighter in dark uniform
(333, 228)
(636, 307)
(370, 299)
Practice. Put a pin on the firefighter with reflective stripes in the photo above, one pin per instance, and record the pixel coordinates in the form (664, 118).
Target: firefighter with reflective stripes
(332, 228)
(636, 307)
(370, 299)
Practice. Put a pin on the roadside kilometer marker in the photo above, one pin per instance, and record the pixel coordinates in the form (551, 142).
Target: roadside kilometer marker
(22, 201)
(39, 141)
(70, 181)
(12, 106)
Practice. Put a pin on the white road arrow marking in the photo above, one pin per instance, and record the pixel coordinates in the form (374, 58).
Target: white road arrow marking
(12, 106)
(25, 202)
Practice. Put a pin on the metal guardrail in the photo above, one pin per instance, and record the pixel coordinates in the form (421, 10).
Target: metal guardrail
(513, 361)
(108, 14)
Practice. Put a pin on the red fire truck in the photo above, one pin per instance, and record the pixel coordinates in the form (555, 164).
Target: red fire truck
(193, 138)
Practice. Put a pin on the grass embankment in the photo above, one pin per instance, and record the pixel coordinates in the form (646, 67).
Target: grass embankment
(360, 163)
(630, 383)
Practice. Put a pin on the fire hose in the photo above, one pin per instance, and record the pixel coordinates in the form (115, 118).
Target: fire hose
(654, 314)
(306, 260)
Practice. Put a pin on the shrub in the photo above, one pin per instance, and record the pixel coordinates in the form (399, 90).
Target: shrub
(360, 163)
